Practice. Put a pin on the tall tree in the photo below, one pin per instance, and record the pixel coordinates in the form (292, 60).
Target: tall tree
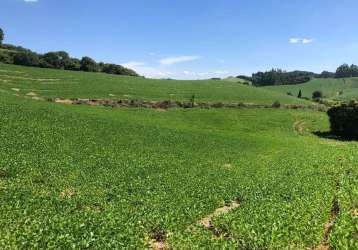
(1, 36)
(343, 71)
(88, 64)
(299, 94)
(354, 70)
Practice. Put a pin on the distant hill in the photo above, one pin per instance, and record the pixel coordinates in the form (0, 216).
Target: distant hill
(237, 79)
(71, 84)
(332, 88)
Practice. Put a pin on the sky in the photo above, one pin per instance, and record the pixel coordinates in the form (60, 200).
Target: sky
(190, 39)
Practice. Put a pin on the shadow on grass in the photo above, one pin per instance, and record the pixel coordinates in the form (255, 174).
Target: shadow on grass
(329, 135)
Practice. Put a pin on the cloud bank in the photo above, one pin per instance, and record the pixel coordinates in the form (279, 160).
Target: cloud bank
(179, 59)
(300, 40)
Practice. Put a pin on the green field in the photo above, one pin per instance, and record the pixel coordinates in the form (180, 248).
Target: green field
(337, 89)
(69, 84)
(96, 177)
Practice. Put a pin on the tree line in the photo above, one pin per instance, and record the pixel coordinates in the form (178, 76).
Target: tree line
(281, 77)
(17, 55)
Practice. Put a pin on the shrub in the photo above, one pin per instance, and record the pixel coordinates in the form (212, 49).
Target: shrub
(317, 95)
(276, 104)
(26, 59)
(299, 94)
(344, 120)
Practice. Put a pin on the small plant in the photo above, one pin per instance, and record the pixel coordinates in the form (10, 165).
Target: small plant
(192, 100)
(276, 104)
(316, 95)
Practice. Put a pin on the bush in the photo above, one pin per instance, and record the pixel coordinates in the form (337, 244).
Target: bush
(344, 120)
(27, 59)
(317, 95)
(276, 104)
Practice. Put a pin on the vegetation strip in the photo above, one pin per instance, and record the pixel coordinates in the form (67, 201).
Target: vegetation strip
(176, 104)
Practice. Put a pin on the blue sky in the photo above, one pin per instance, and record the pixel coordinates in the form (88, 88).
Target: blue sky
(190, 39)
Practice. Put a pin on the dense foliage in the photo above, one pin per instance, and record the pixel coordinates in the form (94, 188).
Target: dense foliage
(280, 77)
(317, 94)
(1, 36)
(58, 60)
(347, 71)
(344, 120)
(11, 54)
(246, 78)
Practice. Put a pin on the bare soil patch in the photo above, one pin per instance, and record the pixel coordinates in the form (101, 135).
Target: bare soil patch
(68, 193)
(31, 94)
(207, 221)
(298, 127)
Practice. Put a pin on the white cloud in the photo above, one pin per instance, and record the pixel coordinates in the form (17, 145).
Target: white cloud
(132, 64)
(147, 71)
(174, 60)
(294, 40)
(205, 74)
(307, 40)
(301, 40)
(31, 1)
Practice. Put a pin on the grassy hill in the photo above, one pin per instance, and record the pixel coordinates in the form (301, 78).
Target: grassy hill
(235, 79)
(95, 177)
(337, 89)
(70, 84)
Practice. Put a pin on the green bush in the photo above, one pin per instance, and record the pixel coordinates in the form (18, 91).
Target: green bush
(316, 95)
(344, 120)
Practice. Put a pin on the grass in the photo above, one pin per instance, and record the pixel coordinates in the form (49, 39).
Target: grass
(95, 177)
(68, 84)
(336, 89)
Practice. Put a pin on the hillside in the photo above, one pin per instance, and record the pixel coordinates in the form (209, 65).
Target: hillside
(71, 84)
(337, 89)
(81, 176)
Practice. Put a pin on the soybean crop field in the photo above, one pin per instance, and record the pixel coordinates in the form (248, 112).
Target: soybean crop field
(75, 177)
(70, 84)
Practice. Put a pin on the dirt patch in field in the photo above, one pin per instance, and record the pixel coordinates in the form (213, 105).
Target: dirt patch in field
(37, 98)
(207, 221)
(159, 245)
(31, 94)
(64, 101)
(158, 240)
(68, 193)
(227, 166)
(299, 127)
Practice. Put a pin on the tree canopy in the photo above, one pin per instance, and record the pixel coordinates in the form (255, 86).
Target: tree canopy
(2, 35)
(58, 60)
